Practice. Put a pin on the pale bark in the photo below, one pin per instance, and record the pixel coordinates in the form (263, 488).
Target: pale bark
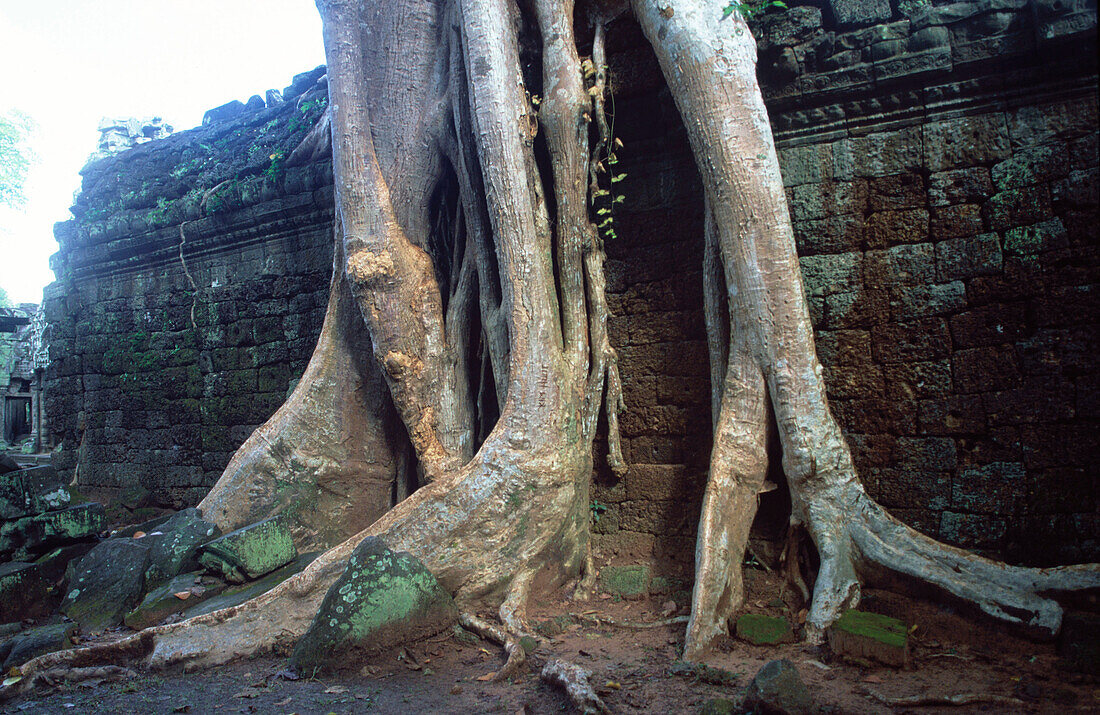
(478, 308)
(710, 67)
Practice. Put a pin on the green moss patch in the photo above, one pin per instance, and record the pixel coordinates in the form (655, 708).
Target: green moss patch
(870, 636)
(626, 581)
(250, 552)
(381, 600)
(763, 630)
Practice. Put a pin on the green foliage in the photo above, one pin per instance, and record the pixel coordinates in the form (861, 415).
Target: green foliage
(597, 510)
(308, 114)
(277, 167)
(16, 157)
(749, 10)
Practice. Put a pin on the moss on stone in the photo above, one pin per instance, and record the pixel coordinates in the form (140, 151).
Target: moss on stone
(763, 630)
(626, 581)
(251, 552)
(861, 635)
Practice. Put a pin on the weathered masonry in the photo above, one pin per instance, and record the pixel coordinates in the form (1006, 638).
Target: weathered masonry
(941, 164)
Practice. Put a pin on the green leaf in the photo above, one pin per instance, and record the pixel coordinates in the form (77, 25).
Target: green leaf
(728, 11)
(617, 178)
(601, 212)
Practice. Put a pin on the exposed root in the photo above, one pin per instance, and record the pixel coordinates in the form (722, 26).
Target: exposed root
(316, 145)
(59, 677)
(932, 700)
(573, 679)
(485, 629)
(628, 625)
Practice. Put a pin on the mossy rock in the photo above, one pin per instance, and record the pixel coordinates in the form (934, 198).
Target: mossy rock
(36, 533)
(382, 599)
(251, 552)
(626, 581)
(32, 491)
(870, 636)
(763, 630)
(34, 642)
(778, 688)
(107, 583)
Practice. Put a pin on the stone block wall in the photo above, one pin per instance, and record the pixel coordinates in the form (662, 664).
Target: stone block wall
(941, 168)
(169, 346)
(941, 165)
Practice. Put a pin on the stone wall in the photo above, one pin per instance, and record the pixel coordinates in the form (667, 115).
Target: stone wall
(941, 165)
(941, 168)
(169, 345)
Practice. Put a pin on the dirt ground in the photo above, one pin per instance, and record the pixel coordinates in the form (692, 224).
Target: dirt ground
(635, 671)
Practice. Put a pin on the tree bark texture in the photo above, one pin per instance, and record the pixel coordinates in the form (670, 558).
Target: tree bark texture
(452, 401)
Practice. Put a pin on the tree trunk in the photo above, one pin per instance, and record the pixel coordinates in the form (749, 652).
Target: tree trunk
(467, 328)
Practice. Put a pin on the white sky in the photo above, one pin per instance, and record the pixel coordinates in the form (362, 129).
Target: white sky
(67, 63)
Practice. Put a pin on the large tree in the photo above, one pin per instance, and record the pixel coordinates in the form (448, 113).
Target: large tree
(464, 360)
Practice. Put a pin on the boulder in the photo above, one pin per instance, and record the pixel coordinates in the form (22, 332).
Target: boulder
(36, 533)
(175, 596)
(382, 599)
(34, 642)
(175, 543)
(778, 689)
(7, 464)
(23, 591)
(254, 104)
(32, 491)
(107, 583)
(303, 82)
(870, 636)
(626, 581)
(763, 630)
(251, 552)
(225, 112)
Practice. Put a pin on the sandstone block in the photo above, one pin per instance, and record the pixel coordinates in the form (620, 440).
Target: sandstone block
(870, 636)
(250, 552)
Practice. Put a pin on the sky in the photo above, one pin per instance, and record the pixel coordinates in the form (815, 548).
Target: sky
(69, 63)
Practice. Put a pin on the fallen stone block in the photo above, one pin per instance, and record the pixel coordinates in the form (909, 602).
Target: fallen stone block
(175, 596)
(174, 545)
(107, 583)
(763, 630)
(626, 581)
(23, 591)
(34, 642)
(870, 636)
(251, 552)
(382, 599)
(239, 594)
(32, 534)
(54, 564)
(32, 491)
(778, 688)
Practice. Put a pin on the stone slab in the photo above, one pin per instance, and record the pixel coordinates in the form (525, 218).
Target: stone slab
(626, 581)
(251, 552)
(763, 630)
(239, 594)
(35, 533)
(175, 596)
(107, 583)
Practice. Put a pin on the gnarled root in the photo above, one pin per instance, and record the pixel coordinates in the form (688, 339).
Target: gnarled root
(573, 679)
